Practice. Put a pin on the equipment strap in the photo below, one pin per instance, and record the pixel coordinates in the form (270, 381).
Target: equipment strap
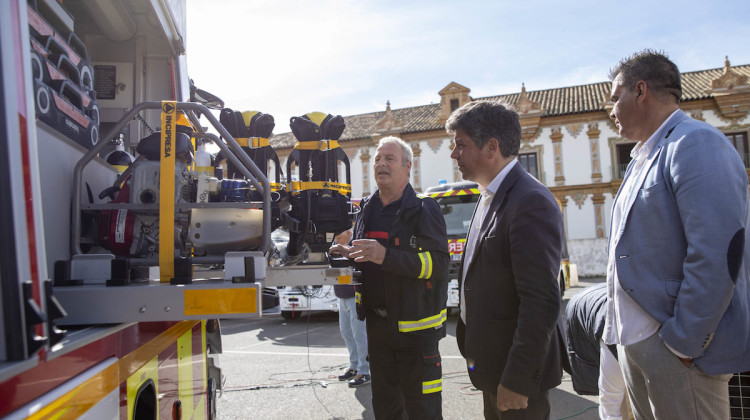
(317, 145)
(296, 187)
(166, 190)
(253, 142)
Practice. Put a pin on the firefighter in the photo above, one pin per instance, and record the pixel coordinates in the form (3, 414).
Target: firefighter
(400, 245)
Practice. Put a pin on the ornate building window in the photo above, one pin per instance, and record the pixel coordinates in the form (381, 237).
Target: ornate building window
(416, 167)
(622, 158)
(364, 156)
(593, 134)
(739, 140)
(456, 172)
(529, 162)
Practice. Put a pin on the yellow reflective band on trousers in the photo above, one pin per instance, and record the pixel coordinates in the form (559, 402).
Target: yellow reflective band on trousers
(426, 259)
(432, 386)
(430, 322)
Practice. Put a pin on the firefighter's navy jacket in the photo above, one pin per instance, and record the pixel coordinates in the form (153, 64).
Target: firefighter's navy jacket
(414, 272)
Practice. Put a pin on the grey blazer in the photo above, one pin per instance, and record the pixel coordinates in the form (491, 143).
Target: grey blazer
(682, 253)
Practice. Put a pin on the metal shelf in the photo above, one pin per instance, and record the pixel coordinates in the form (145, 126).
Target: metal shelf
(155, 301)
(178, 206)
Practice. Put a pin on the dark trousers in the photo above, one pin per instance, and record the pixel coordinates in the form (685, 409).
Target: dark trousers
(538, 408)
(406, 381)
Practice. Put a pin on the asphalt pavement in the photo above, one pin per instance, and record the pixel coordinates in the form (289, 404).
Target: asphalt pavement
(279, 369)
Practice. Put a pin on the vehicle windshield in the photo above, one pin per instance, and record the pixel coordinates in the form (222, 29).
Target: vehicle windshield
(457, 211)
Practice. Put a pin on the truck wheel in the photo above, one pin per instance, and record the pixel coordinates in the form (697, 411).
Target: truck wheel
(211, 391)
(145, 406)
(290, 314)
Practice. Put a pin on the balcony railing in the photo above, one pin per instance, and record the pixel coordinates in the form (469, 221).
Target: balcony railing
(745, 159)
(620, 170)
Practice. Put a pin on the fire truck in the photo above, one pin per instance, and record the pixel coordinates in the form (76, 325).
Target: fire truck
(457, 201)
(123, 240)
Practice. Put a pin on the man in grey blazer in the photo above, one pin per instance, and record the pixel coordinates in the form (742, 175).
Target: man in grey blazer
(510, 300)
(678, 296)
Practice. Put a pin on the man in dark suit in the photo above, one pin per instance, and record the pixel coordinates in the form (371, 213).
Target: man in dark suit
(510, 299)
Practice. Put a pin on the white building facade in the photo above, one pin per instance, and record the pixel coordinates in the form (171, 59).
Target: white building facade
(569, 143)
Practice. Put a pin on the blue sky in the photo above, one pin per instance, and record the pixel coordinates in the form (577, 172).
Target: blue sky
(290, 57)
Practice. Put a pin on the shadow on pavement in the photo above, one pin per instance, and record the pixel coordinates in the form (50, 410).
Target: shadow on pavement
(364, 396)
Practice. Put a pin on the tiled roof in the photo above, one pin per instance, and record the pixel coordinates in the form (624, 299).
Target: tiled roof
(415, 119)
(554, 102)
(566, 100)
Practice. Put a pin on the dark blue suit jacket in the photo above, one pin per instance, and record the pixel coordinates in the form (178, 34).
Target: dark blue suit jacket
(511, 334)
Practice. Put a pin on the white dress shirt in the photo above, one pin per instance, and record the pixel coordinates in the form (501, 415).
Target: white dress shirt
(627, 322)
(476, 224)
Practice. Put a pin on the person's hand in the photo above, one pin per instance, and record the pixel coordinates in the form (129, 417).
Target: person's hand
(687, 361)
(367, 250)
(509, 400)
(340, 244)
(344, 237)
(338, 249)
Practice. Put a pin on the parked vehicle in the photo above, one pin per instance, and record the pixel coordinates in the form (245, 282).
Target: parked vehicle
(298, 301)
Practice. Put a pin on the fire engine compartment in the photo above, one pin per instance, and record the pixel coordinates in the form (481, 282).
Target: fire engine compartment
(102, 252)
(88, 282)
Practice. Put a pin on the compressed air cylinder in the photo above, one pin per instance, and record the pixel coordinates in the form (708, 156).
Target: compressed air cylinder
(204, 171)
(119, 158)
